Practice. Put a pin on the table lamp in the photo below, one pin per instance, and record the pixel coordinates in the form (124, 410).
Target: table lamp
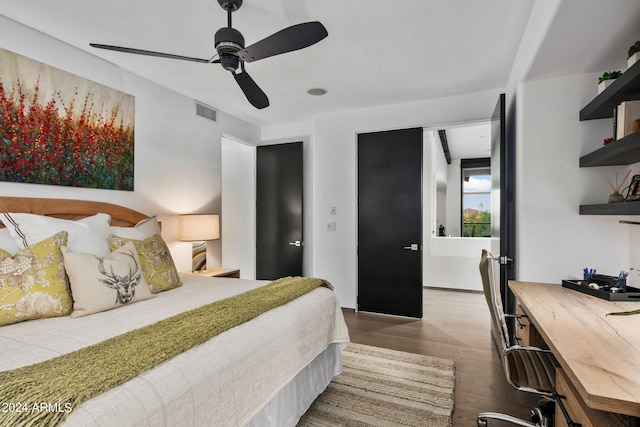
(198, 228)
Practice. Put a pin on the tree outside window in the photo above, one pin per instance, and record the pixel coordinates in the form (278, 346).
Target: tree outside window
(476, 198)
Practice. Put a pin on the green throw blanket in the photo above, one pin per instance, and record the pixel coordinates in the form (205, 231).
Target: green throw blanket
(44, 394)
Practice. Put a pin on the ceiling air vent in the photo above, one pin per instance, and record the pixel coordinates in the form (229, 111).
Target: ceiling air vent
(205, 111)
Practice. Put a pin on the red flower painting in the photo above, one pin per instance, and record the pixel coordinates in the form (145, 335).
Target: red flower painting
(58, 128)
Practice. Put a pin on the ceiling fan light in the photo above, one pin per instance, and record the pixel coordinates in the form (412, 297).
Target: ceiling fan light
(229, 62)
(317, 91)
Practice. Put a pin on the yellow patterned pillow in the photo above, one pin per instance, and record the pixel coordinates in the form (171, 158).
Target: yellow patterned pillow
(33, 284)
(158, 267)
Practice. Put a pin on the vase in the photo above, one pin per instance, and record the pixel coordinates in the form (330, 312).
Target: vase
(632, 59)
(616, 198)
(605, 84)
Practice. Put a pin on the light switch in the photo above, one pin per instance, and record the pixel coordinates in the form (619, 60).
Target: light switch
(332, 210)
(331, 226)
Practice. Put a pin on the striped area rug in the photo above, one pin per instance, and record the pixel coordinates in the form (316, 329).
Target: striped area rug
(381, 387)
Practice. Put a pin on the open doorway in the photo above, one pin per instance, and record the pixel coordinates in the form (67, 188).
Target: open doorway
(450, 259)
(461, 152)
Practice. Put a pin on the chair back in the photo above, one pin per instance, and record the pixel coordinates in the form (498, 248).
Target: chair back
(526, 368)
(493, 297)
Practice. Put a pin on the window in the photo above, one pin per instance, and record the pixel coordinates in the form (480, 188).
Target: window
(476, 197)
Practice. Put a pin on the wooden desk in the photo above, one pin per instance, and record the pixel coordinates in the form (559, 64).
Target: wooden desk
(600, 354)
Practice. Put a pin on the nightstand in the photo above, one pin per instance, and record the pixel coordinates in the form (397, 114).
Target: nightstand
(218, 272)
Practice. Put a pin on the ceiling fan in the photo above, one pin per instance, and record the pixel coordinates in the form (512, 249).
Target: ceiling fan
(232, 54)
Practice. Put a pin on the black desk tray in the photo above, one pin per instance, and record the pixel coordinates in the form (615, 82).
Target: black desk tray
(631, 294)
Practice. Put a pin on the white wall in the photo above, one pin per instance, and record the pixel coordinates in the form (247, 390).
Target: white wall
(177, 154)
(333, 139)
(454, 203)
(452, 262)
(435, 178)
(238, 207)
(554, 242)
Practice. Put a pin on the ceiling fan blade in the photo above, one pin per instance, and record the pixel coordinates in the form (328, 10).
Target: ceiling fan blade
(147, 52)
(254, 94)
(292, 38)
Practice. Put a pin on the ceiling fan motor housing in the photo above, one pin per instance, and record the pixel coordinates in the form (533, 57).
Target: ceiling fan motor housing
(228, 42)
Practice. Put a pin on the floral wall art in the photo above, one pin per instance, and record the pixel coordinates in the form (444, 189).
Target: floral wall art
(61, 129)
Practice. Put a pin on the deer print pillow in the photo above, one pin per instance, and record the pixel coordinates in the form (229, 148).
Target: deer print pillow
(103, 283)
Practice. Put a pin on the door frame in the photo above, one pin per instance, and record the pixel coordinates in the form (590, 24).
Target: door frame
(508, 167)
(299, 233)
(307, 263)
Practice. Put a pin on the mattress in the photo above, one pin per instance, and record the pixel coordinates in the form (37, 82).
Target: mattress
(263, 372)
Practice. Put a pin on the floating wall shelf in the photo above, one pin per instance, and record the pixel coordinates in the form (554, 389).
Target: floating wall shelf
(625, 208)
(625, 88)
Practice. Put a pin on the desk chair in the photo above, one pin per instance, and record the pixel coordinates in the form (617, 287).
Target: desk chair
(527, 368)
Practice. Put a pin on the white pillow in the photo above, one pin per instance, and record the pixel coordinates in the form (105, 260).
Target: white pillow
(143, 230)
(85, 235)
(7, 243)
(103, 283)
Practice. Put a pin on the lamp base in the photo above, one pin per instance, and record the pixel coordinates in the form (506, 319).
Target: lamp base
(199, 257)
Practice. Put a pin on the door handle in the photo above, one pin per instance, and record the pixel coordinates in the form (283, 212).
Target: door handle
(504, 260)
(296, 243)
(413, 247)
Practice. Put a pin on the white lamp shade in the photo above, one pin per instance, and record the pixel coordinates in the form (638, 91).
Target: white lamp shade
(199, 227)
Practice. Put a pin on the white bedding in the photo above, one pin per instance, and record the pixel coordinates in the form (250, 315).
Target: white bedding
(224, 382)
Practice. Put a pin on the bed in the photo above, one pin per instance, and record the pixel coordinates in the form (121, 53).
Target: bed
(264, 372)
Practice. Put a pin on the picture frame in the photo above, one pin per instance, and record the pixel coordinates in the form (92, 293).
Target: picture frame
(633, 193)
(63, 129)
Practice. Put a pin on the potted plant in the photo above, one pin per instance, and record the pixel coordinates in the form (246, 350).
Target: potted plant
(633, 54)
(607, 78)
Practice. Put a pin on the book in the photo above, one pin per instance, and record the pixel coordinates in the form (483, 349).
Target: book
(626, 116)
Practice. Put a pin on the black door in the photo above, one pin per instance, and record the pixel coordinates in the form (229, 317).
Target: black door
(503, 180)
(279, 211)
(390, 222)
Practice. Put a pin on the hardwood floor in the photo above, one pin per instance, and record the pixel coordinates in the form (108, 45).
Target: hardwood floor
(456, 325)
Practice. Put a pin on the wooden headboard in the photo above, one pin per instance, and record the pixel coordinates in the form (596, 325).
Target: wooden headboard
(70, 209)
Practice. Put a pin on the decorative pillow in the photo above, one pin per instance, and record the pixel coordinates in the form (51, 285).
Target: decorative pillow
(142, 230)
(33, 284)
(102, 283)
(85, 235)
(157, 264)
(7, 243)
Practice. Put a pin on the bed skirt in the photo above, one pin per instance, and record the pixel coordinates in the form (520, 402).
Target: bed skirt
(293, 399)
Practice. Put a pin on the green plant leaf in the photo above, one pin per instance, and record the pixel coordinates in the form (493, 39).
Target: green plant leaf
(608, 75)
(624, 313)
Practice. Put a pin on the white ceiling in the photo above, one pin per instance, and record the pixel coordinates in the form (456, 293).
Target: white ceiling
(587, 36)
(377, 52)
(469, 141)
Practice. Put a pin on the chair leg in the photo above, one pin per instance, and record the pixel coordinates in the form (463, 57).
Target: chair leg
(545, 411)
(541, 416)
(483, 418)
